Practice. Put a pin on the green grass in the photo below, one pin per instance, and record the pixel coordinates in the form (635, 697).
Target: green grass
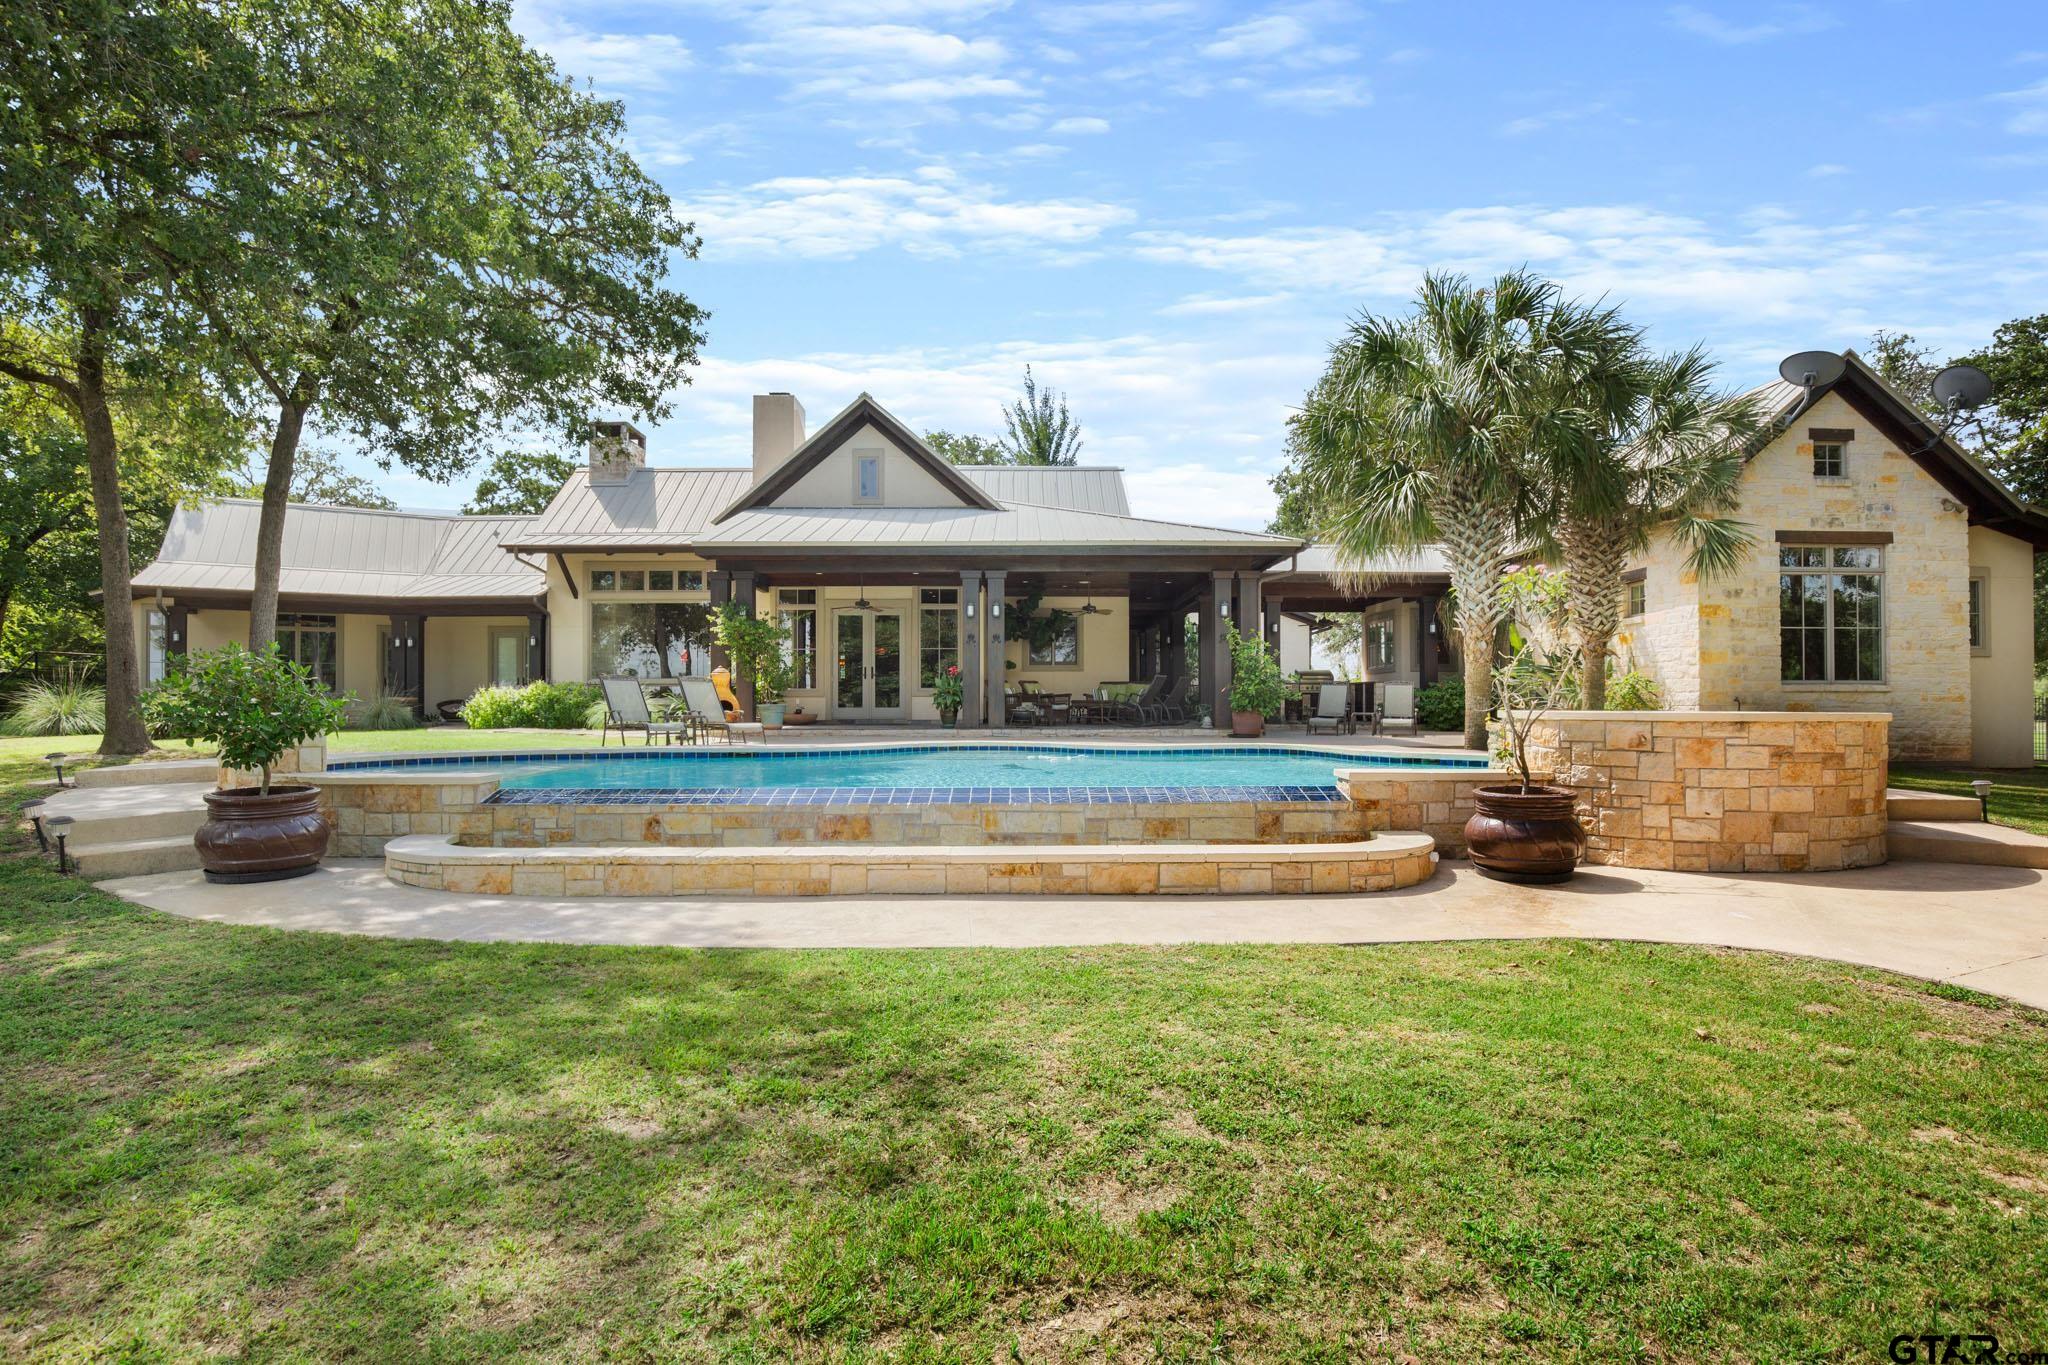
(2018, 798)
(249, 1142)
(433, 739)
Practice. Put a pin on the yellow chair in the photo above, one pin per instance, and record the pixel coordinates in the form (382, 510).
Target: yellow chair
(721, 678)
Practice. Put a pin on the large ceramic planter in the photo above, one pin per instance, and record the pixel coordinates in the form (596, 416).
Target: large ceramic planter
(770, 714)
(253, 837)
(1247, 724)
(1518, 836)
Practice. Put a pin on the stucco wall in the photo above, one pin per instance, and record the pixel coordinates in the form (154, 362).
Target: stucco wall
(2002, 668)
(905, 482)
(1105, 649)
(458, 654)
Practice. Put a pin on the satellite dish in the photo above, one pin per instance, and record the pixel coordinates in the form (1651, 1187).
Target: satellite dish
(1960, 388)
(1812, 369)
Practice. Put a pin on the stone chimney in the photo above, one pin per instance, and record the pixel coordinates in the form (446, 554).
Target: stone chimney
(617, 449)
(778, 431)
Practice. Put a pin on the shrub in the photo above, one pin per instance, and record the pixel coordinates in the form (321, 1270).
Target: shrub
(1633, 691)
(383, 713)
(1256, 682)
(536, 706)
(758, 647)
(252, 707)
(68, 707)
(1441, 705)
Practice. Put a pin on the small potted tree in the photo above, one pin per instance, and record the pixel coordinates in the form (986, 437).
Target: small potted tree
(1257, 687)
(758, 647)
(253, 708)
(1528, 832)
(948, 694)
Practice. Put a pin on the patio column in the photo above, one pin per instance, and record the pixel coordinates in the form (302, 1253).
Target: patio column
(993, 674)
(743, 597)
(1173, 651)
(1215, 652)
(536, 646)
(971, 615)
(719, 583)
(1148, 653)
(1429, 640)
(1249, 613)
(407, 666)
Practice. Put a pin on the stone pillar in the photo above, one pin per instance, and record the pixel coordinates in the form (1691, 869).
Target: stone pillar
(994, 625)
(743, 597)
(972, 615)
(536, 646)
(1250, 612)
(719, 583)
(1215, 651)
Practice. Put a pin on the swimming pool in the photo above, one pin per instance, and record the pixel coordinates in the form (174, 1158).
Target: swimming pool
(949, 767)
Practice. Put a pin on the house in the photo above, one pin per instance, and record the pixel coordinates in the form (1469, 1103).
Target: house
(1890, 572)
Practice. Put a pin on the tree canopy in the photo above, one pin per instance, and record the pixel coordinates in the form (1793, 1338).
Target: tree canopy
(961, 449)
(520, 482)
(1038, 429)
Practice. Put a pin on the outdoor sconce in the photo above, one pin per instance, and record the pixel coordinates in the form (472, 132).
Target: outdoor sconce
(1982, 786)
(34, 811)
(60, 829)
(56, 761)
(995, 611)
(1223, 609)
(970, 611)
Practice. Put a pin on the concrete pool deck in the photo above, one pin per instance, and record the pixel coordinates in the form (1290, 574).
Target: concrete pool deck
(1981, 927)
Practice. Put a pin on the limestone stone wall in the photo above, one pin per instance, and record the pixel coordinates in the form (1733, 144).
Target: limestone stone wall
(1726, 791)
(1382, 864)
(367, 811)
(1438, 803)
(293, 765)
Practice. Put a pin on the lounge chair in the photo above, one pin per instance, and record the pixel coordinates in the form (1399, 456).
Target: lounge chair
(1147, 707)
(701, 696)
(1333, 709)
(625, 710)
(1397, 707)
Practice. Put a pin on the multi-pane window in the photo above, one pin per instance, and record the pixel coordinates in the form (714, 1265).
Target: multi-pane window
(799, 610)
(1830, 459)
(647, 580)
(1063, 646)
(1831, 613)
(156, 659)
(938, 633)
(1379, 644)
(650, 639)
(310, 640)
(1976, 613)
(1635, 598)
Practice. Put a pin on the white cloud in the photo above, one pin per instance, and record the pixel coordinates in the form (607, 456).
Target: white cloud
(1342, 93)
(1551, 118)
(1072, 127)
(1826, 170)
(612, 61)
(1221, 305)
(892, 44)
(1269, 35)
(2030, 109)
(933, 214)
(920, 89)
(1788, 22)
(1112, 14)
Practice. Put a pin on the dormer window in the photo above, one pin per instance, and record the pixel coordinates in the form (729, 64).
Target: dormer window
(1830, 452)
(867, 478)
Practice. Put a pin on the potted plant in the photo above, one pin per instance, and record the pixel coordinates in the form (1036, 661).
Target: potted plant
(948, 694)
(1528, 832)
(254, 708)
(758, 647)
(1257, 687)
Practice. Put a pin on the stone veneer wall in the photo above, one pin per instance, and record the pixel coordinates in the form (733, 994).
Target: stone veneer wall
(1723, 791)
(366, 812)
(1436, 803)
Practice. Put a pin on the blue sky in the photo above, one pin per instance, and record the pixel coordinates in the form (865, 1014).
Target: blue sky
(1170, 208)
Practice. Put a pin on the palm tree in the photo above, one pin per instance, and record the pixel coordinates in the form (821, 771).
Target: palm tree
(1652, 449)
(1038, 429)
(1420, 433)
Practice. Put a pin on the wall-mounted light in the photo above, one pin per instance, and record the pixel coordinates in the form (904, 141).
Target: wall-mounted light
(1223, 608)
(995, 611)
(970, 611)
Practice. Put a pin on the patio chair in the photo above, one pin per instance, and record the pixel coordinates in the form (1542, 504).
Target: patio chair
(701, 696)
(1397, 707)
(1176, 707)
(1333, 709)
(1018, 708)
(625, 710)
(1145, 709)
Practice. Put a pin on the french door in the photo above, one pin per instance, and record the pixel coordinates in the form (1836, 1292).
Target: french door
(868, 681)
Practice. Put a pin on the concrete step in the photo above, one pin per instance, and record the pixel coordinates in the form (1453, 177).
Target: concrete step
(123, 815)
(1930, 841)
(1904, 804)
(148, 773)
(135, 858)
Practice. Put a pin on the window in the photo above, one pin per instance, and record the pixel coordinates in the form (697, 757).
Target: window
(867, 478)
(650, 639)
(1062, 647)
(647, 580)
(604, 580)
(632, 580)
(1977, 641)
(1830, 451)
(938, 634)
(1379, 644)
(797, 597)
(310, 640)
(803, 640)
(1635, 598)
(1830, 613)
(661, 580)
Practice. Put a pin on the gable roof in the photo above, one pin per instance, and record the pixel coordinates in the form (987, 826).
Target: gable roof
(344, 552)
(1017, 526)
(1990, 503)
(861, 412)
(1081, 488)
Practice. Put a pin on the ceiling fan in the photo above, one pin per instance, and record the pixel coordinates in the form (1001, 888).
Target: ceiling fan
(1092, 610)
(861, 603)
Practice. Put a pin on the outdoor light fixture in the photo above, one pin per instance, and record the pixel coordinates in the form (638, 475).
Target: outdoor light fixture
(56, 761)
(995, 611)
(970, 611)
(34, 811)
(1982, 786)
(60, 829)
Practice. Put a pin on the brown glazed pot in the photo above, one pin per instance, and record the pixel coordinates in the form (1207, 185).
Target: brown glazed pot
(253, 837)
(1517, 836)
(1247, 724)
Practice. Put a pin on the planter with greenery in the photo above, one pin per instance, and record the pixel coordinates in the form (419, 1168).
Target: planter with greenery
(254, 708)
(948, 694)
(1258, 688)
(1528, 832)
(759, 649)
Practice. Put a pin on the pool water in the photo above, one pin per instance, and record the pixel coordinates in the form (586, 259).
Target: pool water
(947, 766)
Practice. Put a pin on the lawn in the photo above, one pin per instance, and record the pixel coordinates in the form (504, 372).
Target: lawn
(2018, 798)
(16, 748)
(234, 1141)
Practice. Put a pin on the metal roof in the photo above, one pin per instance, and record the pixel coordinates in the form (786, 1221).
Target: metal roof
(343, 552)
(1018, 524)
(1328, 561)
(1079, 488)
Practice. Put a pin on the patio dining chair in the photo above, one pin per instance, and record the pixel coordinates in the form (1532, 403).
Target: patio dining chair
(1018, 708)
(701, 696)
(1397, 707)
(1333, 709)
(625, 710)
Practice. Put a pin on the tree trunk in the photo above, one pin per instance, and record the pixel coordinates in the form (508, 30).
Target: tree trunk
(1476, 640)
(126, 733)
(1593, 554)
(277, 492)
(1473, 532)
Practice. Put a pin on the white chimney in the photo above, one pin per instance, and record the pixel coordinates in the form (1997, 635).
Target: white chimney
(778, 431)
(617, 449)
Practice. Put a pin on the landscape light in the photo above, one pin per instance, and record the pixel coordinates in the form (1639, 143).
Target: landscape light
(1982, 786)
(60, 829)
(56, 761)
